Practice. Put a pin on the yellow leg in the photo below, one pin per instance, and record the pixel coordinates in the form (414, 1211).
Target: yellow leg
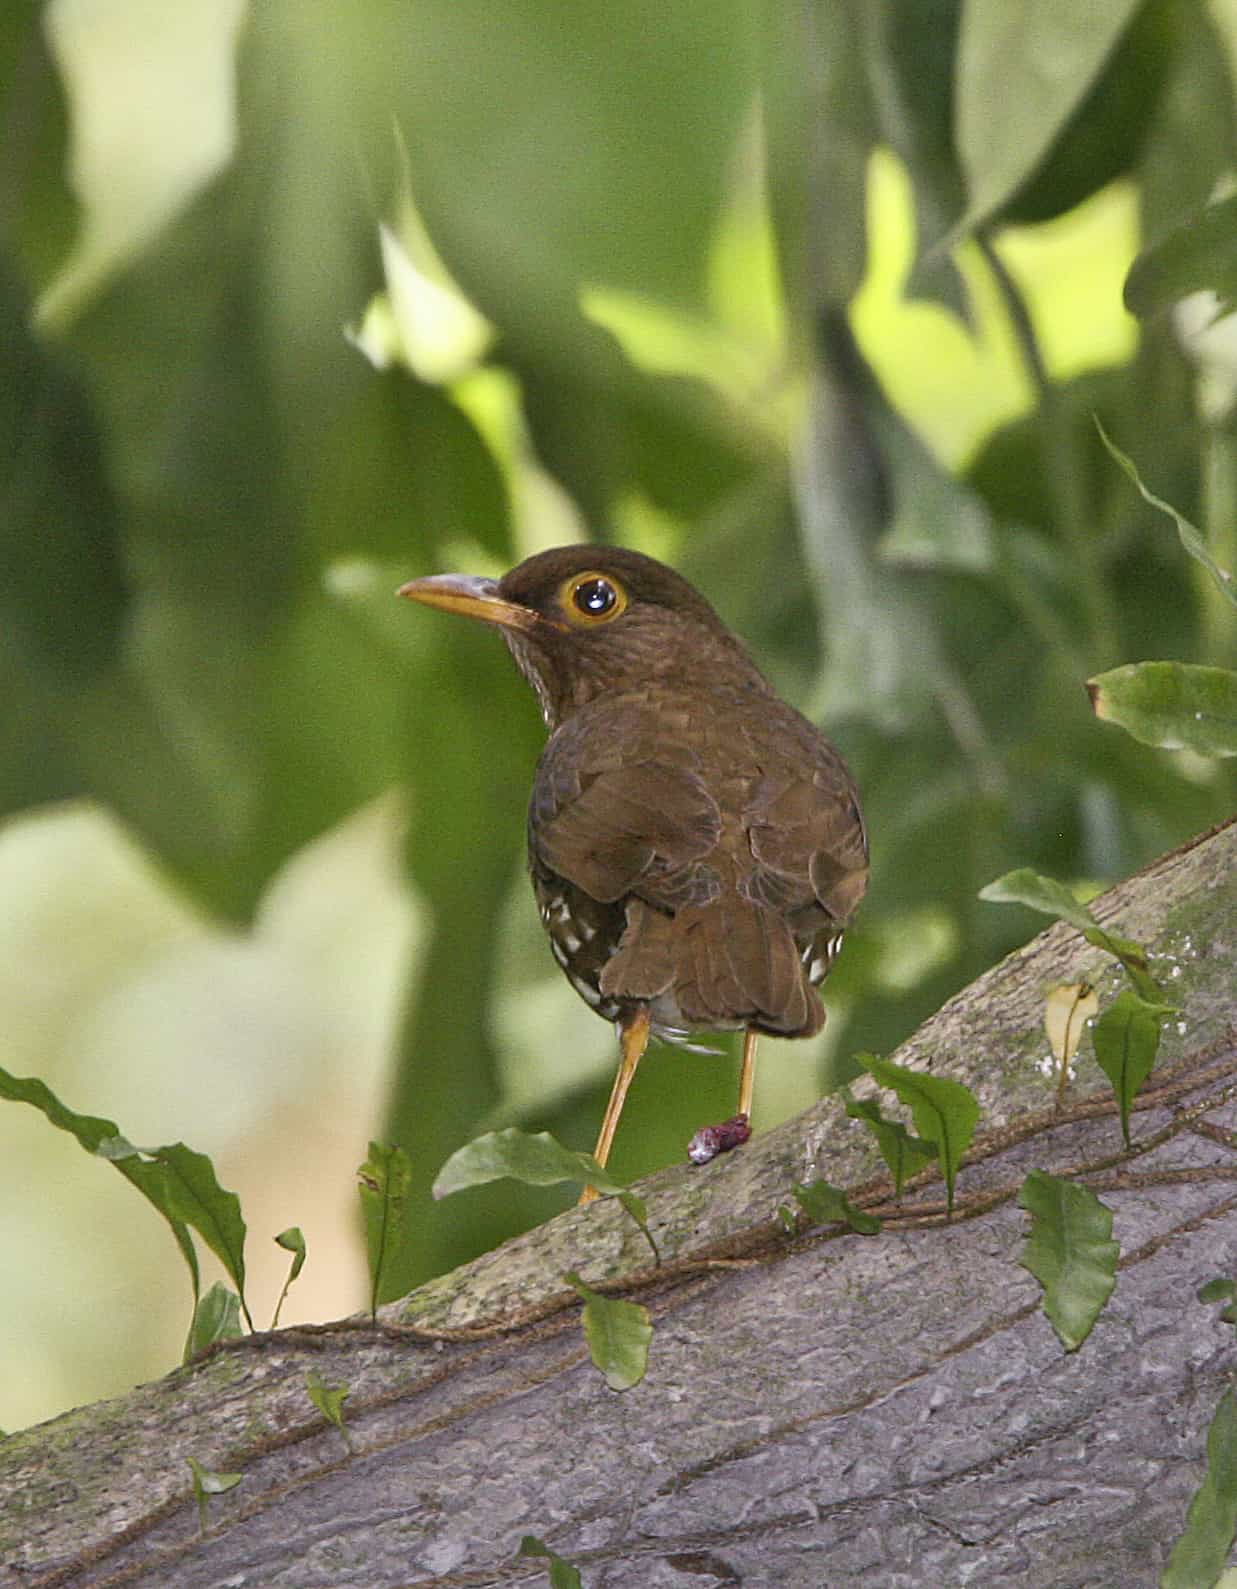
(633, 1040)
(747, 1073)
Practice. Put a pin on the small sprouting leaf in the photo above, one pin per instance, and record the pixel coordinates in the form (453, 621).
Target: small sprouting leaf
(383, 1182)
(1191, 539)
(207, 1483)
(562, 1574)
(1127, 1039)
(217, 1317)
(1026, 887)
(1211, 1523)
(945, 1112)
(825, 1204)
(328, 1399)
(904, 1154)
(291, 1240)
(1172, 705)
(618, 1335)
(1070, 1252)
(1067, 1009)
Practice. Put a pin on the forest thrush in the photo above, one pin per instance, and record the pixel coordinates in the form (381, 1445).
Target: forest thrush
(695, 844)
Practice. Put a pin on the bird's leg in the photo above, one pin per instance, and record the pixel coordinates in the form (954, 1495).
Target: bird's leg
(747, 1072)
(633, 1040)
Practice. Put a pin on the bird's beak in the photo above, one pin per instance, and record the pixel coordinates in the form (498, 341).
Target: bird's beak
(472, 597)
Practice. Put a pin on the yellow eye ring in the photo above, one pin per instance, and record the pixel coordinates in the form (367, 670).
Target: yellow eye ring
(591, 598)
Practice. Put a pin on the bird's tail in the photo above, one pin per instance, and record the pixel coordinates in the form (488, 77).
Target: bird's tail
(727, 963)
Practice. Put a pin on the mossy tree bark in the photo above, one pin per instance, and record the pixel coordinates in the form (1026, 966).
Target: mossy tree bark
(820, 1408)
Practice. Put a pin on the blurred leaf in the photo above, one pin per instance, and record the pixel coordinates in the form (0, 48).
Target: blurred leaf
(1200, 256)
(618, 1335)
(1199, 1555)
(1059, 50)
(909, 57)
(945, 1112)
(206, 1483)
(819, 130)
(1191, 141)
(562, 1574)
(1173, 705)
(1070, 1252)
(328, 1399)
(217, 1317)
(40, 209)
(904, 1154)
(291, 1240)
(64, 592)
(824, 1204)
(1108, 129)
(383, 1182)
(1190, 537)
(1127, 1040)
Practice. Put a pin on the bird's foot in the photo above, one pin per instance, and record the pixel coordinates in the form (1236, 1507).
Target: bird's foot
(709, 1141)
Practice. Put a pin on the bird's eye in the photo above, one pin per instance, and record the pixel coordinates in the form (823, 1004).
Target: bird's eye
(592, 598)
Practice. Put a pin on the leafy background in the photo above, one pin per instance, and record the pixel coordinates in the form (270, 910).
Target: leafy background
(817, 300)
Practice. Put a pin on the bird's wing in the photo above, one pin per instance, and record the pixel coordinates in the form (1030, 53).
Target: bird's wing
(806, 834)
(619, 808)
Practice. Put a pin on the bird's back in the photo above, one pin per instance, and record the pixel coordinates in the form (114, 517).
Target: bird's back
(697, 852)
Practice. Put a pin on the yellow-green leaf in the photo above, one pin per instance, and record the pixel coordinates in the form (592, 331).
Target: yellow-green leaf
(1172, 705)
(618, 1335)
(1070, 1252)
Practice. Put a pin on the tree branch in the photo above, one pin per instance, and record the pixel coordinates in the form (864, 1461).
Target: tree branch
(820, 1407)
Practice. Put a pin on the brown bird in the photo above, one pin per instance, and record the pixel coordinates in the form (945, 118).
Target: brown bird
(695, 844)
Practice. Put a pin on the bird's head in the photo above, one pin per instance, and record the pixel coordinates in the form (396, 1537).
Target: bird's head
(581, 621)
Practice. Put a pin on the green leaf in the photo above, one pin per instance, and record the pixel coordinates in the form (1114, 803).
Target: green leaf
(178, 1182)
(904, 1154)
(825, 1204)
(1172, 705)
(1217, 1290)
(1070, 1252)
(206, 1483)
(1026, 887)
(1200, 256)
(618, 1335)
(536, 1159)
(945, 1112)
(562, 1574)
(196, 1197)
(291, 1240)
(1127, 1039)
(1060, 49)
(328, 1399)
(383, 1184)
(1199, 1555)
(1191, 538)
(217, 1317)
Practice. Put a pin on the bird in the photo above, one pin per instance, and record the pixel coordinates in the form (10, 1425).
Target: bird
(695, 844)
